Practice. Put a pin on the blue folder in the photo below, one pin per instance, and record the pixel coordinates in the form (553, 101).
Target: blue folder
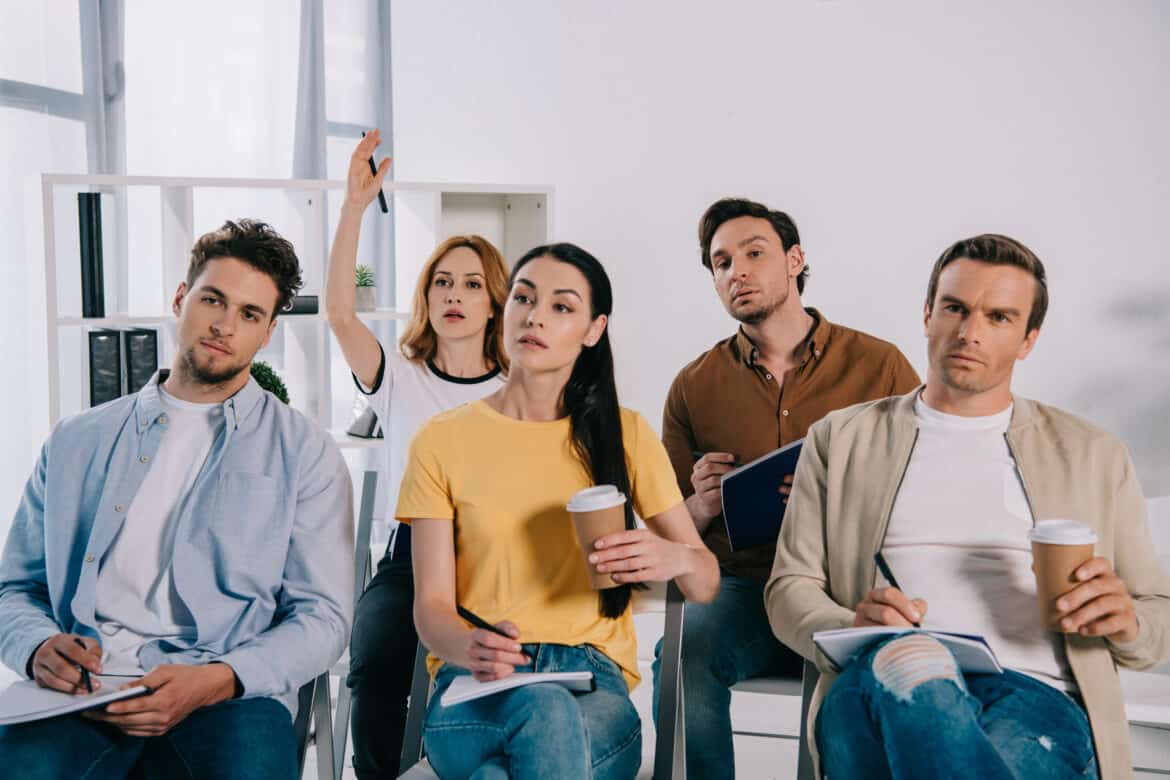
(753, 506)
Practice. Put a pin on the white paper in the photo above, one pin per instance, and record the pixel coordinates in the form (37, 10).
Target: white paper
(467, 688)
(25, 701)
(972, 652)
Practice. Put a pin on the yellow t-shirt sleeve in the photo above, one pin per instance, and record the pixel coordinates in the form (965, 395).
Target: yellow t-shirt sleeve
(652, 478)
(426, 489)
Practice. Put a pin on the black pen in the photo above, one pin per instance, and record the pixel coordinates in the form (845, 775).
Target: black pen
(381, 195)
(84, 672)
(699, 453)
(479, 622)
(889, 575)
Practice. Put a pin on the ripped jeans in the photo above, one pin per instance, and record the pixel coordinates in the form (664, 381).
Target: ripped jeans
(902, 709)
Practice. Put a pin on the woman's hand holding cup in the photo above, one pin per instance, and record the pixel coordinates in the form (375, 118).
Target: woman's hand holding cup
(641, 556)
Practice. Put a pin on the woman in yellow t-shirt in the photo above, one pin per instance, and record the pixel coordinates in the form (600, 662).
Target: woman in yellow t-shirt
(485, 490)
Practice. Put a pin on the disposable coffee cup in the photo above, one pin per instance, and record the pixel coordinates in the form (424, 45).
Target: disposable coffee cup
(1059, 547)
(597, 512)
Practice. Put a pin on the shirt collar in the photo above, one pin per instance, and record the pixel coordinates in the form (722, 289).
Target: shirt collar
(236, 409)
(814, 345)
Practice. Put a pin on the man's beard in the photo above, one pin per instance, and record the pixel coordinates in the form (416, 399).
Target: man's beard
(757, 315)
(966, 382)
(206, 376)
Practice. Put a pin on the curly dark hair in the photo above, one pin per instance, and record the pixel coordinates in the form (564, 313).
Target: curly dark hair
(257, 244)
(728, 209)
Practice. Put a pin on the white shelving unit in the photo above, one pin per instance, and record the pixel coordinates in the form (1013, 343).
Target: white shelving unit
(144, 267)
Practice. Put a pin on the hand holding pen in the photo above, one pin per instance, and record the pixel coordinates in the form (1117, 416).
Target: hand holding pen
(364, 179)
(889, 606)
(493, 652)
(706, 479)
(65, 662)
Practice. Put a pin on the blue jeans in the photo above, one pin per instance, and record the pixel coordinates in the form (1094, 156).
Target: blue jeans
(724, 642)
(538, 731)
(381, 663)
(881, 721)
(243, 739)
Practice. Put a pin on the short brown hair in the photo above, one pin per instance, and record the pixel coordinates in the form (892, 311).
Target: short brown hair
(256, 244)
(995, 249)
(728, 209)
(419, 341)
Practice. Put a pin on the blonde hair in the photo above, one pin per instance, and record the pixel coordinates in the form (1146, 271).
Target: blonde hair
(420, 342)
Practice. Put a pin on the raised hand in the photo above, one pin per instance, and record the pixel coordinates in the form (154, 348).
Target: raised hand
(362, 185)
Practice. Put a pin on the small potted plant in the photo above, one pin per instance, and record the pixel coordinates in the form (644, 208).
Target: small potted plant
(363, 279)
(269, 380)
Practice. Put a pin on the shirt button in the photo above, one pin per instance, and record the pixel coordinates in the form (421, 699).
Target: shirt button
(143, 459)
(162, 418)
(89, 559)
(785, 412)
(817, 352)
(118, 507)
(769, 376)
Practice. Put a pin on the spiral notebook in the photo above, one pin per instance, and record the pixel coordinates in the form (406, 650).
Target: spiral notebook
(26, 701)
(467, 688)
(971, 651)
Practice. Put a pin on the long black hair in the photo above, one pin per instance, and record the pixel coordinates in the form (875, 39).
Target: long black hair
(590, 398)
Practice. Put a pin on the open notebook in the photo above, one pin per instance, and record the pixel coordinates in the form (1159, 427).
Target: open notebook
(467, 688)
(972, 652)
(26, 701)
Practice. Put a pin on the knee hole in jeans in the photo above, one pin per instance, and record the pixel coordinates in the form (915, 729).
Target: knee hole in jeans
(903, 664)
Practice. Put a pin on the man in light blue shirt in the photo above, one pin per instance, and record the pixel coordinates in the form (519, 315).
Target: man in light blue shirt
(195, 537)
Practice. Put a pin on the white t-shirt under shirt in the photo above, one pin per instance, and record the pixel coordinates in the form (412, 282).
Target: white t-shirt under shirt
(135, 598)
(958, 537)
(405, 395)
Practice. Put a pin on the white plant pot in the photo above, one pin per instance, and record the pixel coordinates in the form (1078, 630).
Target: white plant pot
(365, 299)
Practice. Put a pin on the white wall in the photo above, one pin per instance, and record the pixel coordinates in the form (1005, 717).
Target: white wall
(887, 129)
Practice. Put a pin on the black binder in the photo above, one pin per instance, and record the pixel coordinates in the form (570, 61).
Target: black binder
(89, 218)
(105, 365)
(140, 349)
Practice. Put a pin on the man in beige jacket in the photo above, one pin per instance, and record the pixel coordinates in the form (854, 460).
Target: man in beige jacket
(946, 483)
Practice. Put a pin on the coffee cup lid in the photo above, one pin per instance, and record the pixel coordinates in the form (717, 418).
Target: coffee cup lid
(596, 497)
(1062, 532)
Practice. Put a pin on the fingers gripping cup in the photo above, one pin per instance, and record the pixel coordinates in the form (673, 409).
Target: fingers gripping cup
(596, 512)
(1059, 547)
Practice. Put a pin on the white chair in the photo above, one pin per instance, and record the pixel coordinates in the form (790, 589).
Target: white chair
(1147, 694)
(363, 572)
(313, 720)
(670, 741)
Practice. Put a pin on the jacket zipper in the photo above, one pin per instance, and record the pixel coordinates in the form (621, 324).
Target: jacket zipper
(889, 510)
(1023, 480)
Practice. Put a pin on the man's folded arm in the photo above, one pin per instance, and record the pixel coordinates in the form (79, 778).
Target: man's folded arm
(795, 597)
(315, 606)
(26, 614)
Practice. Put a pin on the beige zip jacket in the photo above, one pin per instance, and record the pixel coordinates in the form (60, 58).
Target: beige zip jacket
(849, 472)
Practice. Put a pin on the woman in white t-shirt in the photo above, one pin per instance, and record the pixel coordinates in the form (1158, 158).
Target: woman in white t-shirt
(451, 354)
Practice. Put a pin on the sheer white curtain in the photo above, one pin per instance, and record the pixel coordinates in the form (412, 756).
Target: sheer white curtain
(42, 128)
(187, 89)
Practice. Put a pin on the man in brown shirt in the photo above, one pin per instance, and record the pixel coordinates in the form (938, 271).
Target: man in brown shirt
(785, 368)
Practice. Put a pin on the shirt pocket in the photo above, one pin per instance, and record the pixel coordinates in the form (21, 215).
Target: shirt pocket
(1015, 501)
(247, 507)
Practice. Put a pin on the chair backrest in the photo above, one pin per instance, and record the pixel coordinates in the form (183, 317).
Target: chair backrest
(303, 719)
(1159, 513)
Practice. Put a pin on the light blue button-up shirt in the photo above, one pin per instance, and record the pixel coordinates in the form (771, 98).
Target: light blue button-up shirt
(263, 556)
